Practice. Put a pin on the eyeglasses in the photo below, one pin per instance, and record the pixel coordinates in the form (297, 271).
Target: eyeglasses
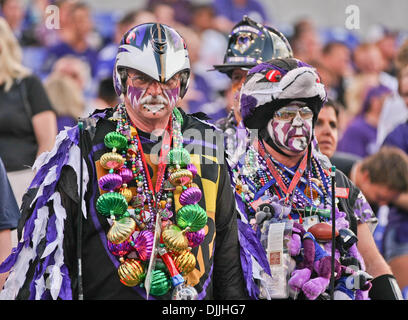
(289, 113)
(143, 81)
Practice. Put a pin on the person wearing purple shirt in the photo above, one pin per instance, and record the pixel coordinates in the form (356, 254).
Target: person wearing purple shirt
(182, 9)
(361, 135)
(395, 241)
(396, 232)
(234, 10)
(203, 101)
(76, 42)
(398, 137)
(359, 138)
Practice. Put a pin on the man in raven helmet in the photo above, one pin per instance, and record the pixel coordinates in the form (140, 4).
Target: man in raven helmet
(140, 217)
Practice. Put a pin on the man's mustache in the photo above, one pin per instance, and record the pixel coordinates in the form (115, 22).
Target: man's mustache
(154, 100)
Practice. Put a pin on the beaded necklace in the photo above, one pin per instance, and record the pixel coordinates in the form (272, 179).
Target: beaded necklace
(134, 205)
(255, 181)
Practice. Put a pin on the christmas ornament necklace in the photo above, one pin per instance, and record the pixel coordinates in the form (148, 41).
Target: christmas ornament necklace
(134, 206)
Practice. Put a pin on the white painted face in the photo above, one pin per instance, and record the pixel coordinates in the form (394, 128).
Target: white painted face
(150, 98)
(291, 128)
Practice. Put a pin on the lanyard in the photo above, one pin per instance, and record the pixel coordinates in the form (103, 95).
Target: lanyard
(298, 174)
(164, 150)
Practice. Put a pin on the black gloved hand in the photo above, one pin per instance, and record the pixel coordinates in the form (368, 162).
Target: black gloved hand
(385, 287)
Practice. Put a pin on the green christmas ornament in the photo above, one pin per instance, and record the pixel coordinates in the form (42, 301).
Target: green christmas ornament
(160, 284)
(115, 140)
(178, 156)
(177, 114)
(192, 216)
(112, 203)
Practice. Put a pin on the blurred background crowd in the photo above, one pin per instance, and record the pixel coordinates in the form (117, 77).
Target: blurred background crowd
(365, 70)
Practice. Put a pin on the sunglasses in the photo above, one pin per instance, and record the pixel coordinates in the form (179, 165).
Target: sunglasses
(144, 81)
(289, 113)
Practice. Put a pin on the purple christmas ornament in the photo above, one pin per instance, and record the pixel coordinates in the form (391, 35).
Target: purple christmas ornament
(195, 238)
(126, 174)
(191, 195)
(120, 249)
(191, 167)
(110, 181)
(143, 244)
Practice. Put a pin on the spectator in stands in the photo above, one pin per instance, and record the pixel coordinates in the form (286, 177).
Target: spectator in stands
(199, 95)
(107, 55)
(369, 59)
(306, 42)
(182, 9)
(78, 39)
(399, 136)
(230, 12)
(369, 67)
(9, 216)
(106, 96)
(166, 14)
(213, 45)
(53, 36)
(14, 13)
(79, 72)
(336, 56)
(360, 137)
(395, 237)
(67, 99)
(383, 178)
(327, 133)
(387, 43)
(395, 110)
(27, 120)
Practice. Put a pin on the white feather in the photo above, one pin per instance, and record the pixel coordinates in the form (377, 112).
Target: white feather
(18, 273)
(55, 279)
(49, 178)
(74, 162)
(47, 155)
(16, 277)
(39, 288)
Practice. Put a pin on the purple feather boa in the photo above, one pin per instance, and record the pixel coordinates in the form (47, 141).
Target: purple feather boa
(59, 160)
(250, 246)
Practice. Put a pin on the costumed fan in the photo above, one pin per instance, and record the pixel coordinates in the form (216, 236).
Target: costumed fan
(156, 219)
(284, 193)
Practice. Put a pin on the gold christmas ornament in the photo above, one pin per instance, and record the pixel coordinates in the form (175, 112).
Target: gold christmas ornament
(181, 177)
(121, 230)
(185, 262)
(111, 160)
(127, 193)
(131, 272)
(174, 238)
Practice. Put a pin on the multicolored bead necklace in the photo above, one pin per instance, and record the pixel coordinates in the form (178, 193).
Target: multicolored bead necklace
(133, 205)
(255, 181)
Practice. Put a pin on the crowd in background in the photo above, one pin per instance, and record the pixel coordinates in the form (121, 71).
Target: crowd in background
(368, 80)
(362, 76)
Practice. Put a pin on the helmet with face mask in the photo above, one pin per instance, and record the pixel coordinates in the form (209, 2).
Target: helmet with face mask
(154, 49)
(274, 84)
(251, 43)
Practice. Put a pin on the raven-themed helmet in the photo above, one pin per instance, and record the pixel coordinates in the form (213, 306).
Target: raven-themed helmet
(251, 43)
(154, 49)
